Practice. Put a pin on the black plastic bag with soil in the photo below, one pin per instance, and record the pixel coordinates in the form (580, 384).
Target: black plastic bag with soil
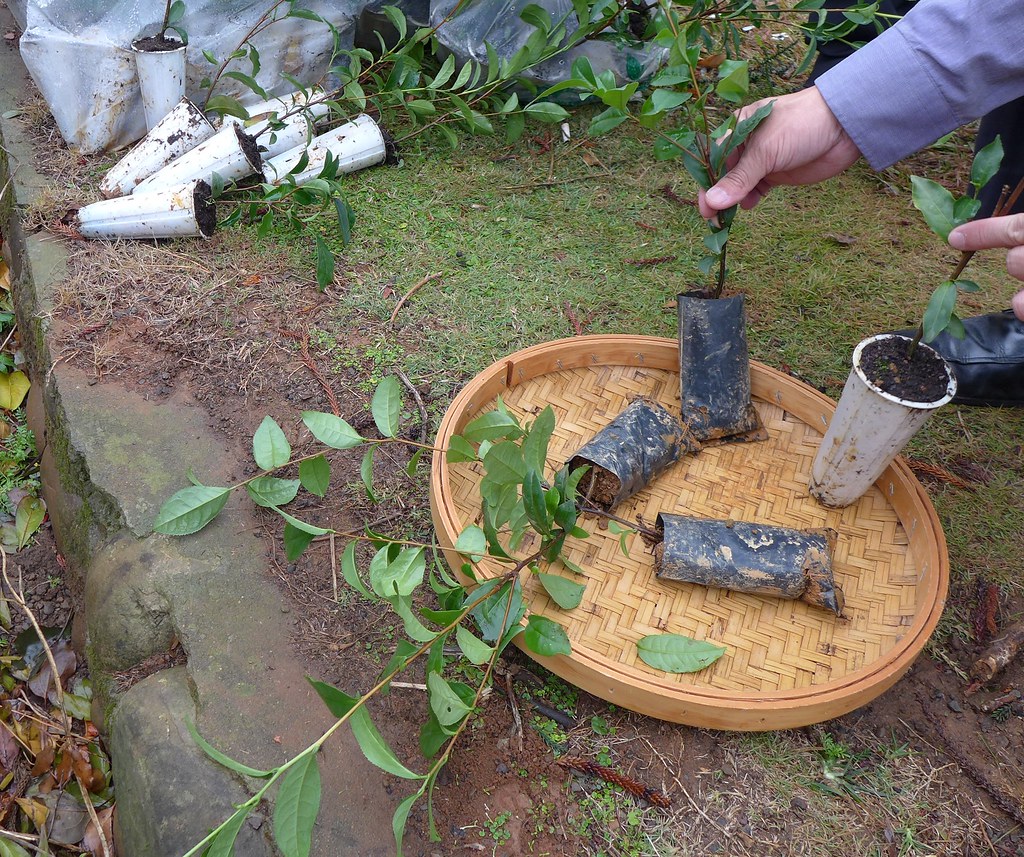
(753, 558)
(714, 370)
(629, 452)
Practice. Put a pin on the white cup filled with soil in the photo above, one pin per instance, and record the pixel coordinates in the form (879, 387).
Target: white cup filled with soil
(160, 65)
(231, 153)
(184, 211)
(890, 393)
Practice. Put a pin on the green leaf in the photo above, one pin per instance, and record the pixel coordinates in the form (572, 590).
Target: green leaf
(716, 240)
(222, 759)
(346, 218)
(675, 653)
(315, 475)
(535, 444)
(370, 741)
(414, 628)
(331, 430)
(515, 125)
(733, 81)
(401, 816)
(986, 164)
(672, 76)
(474, 649)
(964, 209)
(301, 525)
(190, 509)
(444, 73)
(176, 12)
(745, 127)
(28, 518)
(935, 203)
(604, 122)
(324, 264)
(297, 806)
(295, 542)
(366, 473)
(270, 447)
(401, 576)
(269, 491)
(460, 449)
(223, 844)
(967, 286)
(472, 542)
(672, 144)
(546, 111)
(386, 406)
(227, 106)
(490, 613)
(446, 704)
(939, 309)
(533, 502)
(567, 594)
(546, 637)
(397, 19)
(491, 426)
(248, 81)
(351, 573)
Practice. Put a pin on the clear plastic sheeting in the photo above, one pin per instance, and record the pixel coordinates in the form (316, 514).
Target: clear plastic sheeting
(497, 22)
(78, 53)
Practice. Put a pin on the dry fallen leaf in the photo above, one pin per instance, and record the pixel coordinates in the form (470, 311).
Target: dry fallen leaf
(841, 238)
(41, 683)
(91, 840)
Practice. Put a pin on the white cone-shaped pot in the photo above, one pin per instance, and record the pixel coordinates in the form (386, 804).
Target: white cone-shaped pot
(183, 211)
(355, 145)
(230, 152)
(181, 130)
(867, 431)
(161, 79)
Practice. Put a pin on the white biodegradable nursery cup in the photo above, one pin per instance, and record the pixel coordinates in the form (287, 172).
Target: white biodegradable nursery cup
(183, 211)
(355, 145)
(161, 79)
(230, 152)
(867, 431)
(181, 130)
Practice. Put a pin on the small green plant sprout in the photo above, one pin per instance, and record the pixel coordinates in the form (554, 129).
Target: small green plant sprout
(174, 11)
(943, 212)
(681, 107)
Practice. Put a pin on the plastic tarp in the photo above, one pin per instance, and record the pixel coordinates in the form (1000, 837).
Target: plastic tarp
(497, 22)
(78, 53)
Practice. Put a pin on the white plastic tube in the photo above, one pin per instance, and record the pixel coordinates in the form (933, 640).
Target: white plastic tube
(230, 152)
(181, 130)
(867, 431)
(355, 145)
(183, 211)
(313, 105)
(297, 131)
(162, 81)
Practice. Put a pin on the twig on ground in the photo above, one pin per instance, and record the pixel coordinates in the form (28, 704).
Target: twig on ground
(570, 313)
(672, 196)
(307, 360)
(424, 419)
(560, 717)
(517, 721)
(401, 301)
(650, 263)
(89, 808)
(536, 185)
(334, 567)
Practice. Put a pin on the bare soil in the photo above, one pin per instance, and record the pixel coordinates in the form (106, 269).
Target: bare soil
(223, 325)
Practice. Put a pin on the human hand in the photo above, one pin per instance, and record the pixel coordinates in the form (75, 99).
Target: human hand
(997, 232)
(801, 142)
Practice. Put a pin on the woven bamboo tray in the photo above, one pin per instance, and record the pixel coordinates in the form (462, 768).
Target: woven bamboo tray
(786, 664)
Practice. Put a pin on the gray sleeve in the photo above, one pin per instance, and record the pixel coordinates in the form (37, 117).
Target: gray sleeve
(946, 63)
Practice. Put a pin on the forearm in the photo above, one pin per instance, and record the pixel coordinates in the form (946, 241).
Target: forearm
(948, 62)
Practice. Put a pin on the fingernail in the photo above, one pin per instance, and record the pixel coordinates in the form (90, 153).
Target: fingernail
(956, 239)
(717, 198)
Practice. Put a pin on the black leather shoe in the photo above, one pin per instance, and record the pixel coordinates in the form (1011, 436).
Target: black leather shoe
(988, 362)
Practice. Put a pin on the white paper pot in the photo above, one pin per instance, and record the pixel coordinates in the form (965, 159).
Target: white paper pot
(183, 211)
(230, 152)
(866, 433)
(181, 130)
(162, 81)
(355, 145)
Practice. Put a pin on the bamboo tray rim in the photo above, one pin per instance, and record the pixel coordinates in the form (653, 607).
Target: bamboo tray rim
(515, 368)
